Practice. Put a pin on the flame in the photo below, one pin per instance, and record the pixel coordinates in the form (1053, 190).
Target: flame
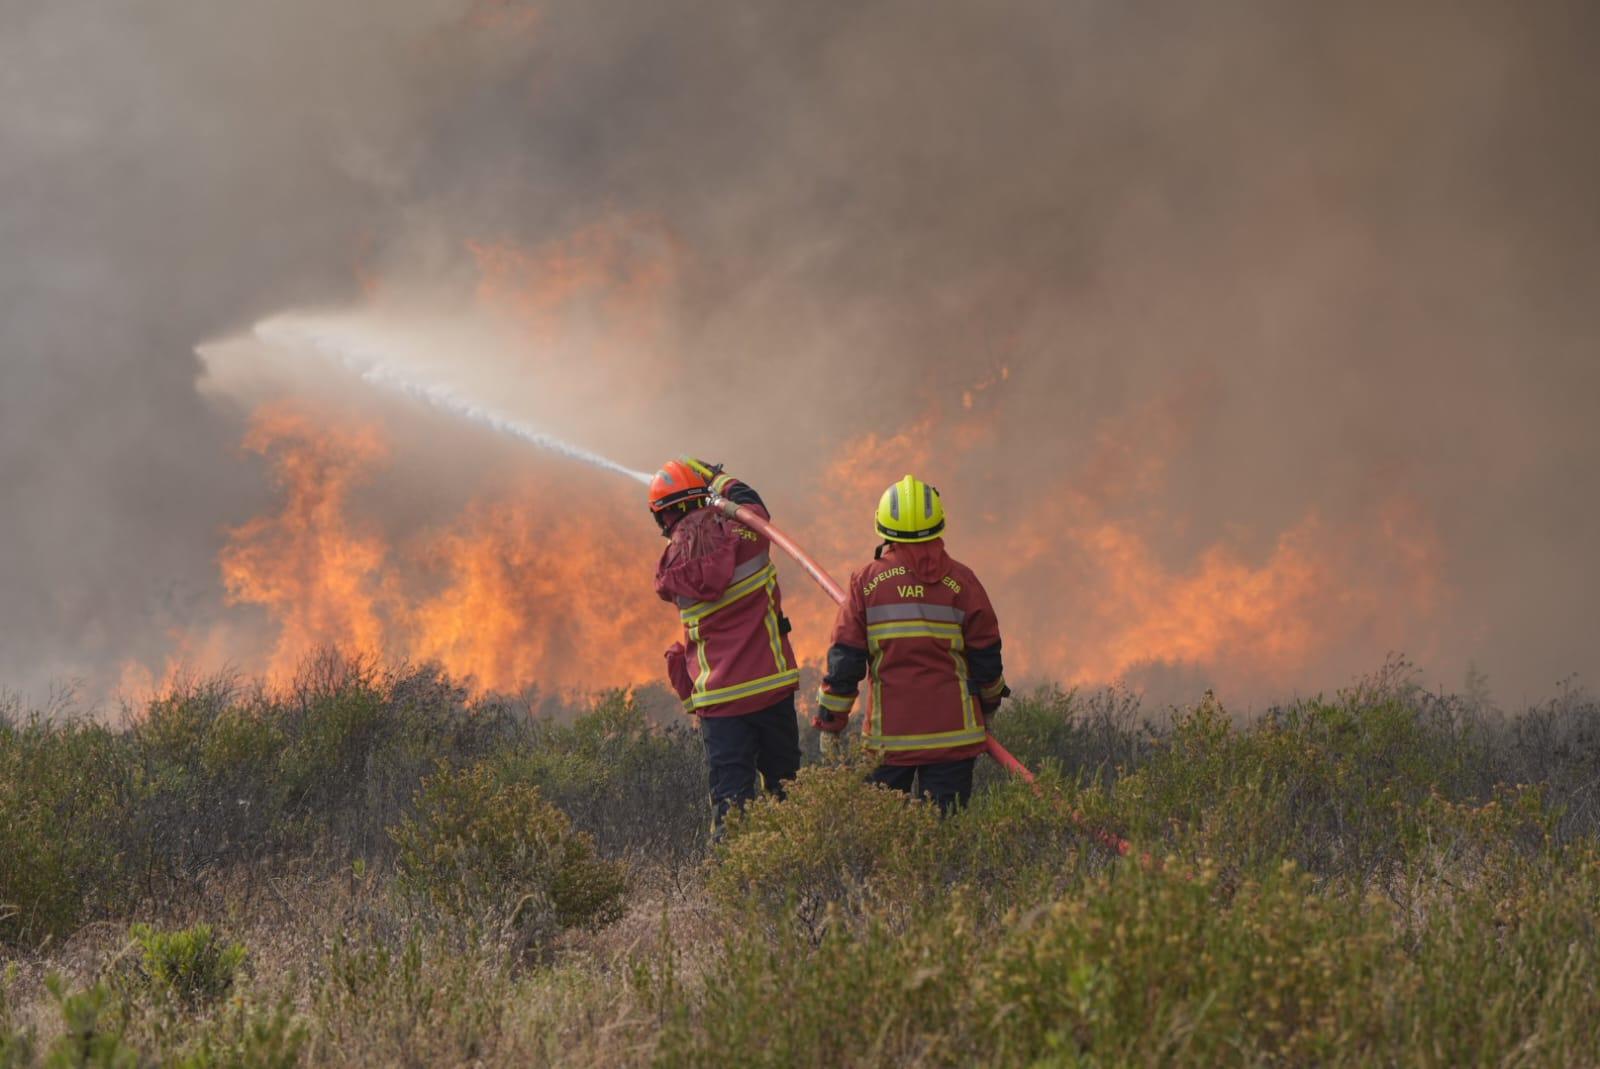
(533, 594)
(1090, 577)
(309, 566)
(1083, 593)
(512, 592)
(519, 589)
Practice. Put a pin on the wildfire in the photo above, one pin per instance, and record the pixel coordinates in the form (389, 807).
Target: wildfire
(312, 569)
(1084, 595)
(1091, 577)
(511, 593)
(536, 594)
(518, 590)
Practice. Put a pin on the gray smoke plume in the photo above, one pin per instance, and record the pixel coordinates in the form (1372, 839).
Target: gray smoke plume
(1241, 262)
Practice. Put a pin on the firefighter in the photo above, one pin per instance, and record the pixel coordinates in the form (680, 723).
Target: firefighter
(734, 669)
(920, 627)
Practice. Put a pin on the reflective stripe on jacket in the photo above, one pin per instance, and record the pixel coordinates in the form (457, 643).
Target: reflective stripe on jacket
(735, 635)
(920, 628)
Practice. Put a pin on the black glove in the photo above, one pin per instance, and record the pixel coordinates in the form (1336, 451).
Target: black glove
(992, 707)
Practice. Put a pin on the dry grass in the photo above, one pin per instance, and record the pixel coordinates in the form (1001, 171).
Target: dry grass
(1347, 879)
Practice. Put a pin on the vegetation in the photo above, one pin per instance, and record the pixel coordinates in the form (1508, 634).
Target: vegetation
(375, 868)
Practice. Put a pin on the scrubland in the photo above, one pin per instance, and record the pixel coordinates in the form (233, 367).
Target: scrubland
(372, 867)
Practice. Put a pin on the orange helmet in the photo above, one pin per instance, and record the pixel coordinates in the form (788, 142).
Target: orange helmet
(677, 488)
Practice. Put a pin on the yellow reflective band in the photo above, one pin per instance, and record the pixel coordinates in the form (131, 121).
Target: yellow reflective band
(875, 710)
(942, 740)
(704, 675)
(969, 718)
(774, 632)
(742, 589)
(836, 703)
(744, 690)
(879, 633)
(993, 689)
(938, 627)
(720, 482)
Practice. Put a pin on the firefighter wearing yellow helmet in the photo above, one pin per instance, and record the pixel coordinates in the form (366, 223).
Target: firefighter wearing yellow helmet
(910, 511)
(920, 629)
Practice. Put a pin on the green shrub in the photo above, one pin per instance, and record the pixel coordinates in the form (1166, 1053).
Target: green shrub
(841, 847)
(1169, 968)
(636, 787)
(248, 1037)
(193, 965)
(480, 849)
(1173, 967)
(94, 1036)
(210, 792)
(1336, 787)
(836, 843)
(65, 793)
(1509, 964)
(1090, 737)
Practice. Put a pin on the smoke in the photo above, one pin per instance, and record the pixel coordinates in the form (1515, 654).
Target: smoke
(1284, 310)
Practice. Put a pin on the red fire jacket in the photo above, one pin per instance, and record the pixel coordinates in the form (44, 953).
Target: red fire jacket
(736, 653)
(920, 624)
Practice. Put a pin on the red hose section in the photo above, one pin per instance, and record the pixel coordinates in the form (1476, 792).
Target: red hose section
(751, 519)
(1001, 755)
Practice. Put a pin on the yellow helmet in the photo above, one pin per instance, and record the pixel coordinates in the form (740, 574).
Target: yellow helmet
(910, 511)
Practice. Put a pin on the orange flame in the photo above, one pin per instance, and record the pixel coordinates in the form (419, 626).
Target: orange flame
(509, 594)
(314, 572)
(536, 595)
(1084, 596)
(520, 590)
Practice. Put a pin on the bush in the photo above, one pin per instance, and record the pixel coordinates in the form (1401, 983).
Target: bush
(836, 843)
(483, 849)
(94, 1037)
(1338, 787)
(232, 775)
(246, 1037)
(64, 792)
(1169, 967)
(1090, 738)
(634, 786)
(843, 848)
(193, 965)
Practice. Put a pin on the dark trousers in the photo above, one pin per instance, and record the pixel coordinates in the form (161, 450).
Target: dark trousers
(739, 748)
(949, 783)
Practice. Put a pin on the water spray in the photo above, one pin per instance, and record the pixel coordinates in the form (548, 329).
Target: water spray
(372, 366)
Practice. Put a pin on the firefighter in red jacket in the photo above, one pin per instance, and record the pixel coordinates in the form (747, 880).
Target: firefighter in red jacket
(920, 627)
(734, 669)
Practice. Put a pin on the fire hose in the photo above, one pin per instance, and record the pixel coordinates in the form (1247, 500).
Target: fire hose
(1003, 757)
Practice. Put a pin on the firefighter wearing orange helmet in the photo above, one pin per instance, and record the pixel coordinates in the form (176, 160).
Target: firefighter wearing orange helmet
(920, 628)
(734, 668)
